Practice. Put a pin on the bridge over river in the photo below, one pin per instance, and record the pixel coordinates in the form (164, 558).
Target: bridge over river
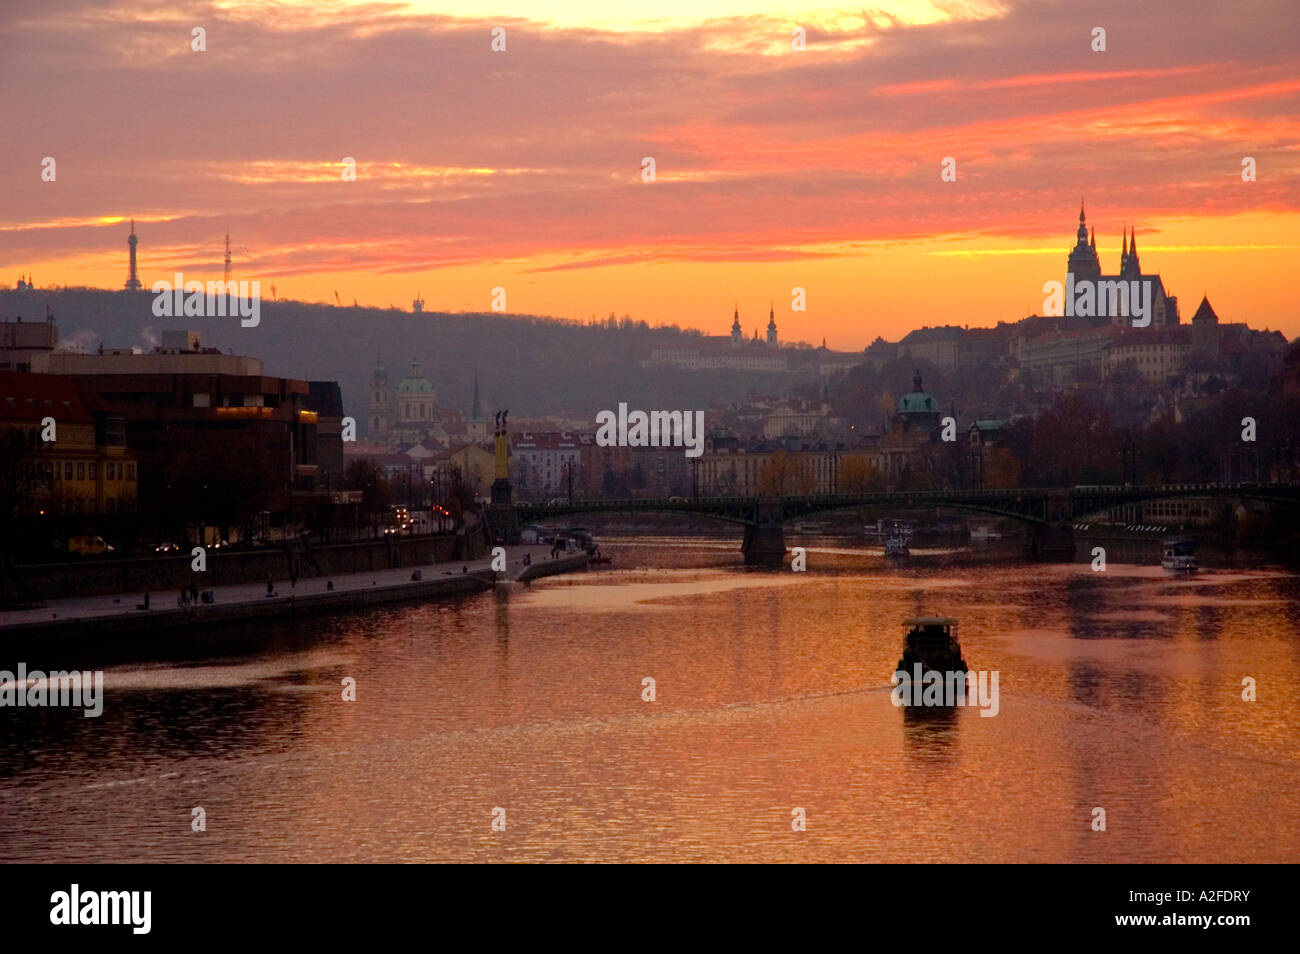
(1048, 511)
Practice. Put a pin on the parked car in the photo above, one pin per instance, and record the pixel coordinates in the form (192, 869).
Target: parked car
(88, 546)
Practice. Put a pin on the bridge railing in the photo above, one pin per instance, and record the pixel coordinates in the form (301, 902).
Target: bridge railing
(1100, 491)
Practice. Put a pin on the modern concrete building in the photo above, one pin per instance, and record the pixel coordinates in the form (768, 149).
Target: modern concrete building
(21, 342)
(182, 401)
(86, 468)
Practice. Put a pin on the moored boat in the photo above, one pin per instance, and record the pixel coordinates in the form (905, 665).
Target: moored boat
(896, 546)
(1179, 555)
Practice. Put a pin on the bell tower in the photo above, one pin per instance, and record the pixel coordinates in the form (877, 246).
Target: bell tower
(381, 407)
(1083, 263)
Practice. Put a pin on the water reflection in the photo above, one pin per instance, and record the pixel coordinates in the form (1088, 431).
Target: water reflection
(930, 733)
(1119, 688)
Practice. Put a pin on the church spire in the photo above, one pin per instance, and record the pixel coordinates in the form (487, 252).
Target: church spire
(1082, 262)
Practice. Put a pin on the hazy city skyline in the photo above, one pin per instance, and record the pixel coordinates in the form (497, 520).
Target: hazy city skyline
(782, 168)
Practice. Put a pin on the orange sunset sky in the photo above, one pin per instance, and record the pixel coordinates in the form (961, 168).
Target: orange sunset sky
(775, 167)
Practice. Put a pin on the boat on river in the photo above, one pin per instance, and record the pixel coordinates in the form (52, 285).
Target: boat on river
(931, 642)
(1179, 555)
(896, 547)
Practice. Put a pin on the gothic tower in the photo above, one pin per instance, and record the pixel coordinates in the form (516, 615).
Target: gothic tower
(1129, 267)
(771, 326)
(1083, 263)
(380, 403)
(737, 336)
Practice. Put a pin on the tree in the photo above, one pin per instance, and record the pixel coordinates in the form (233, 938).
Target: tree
(1074, 442)
(461, 498)
(1001, 469)
(785, 474)
(376, 492)
(857, 475)
(223, 482)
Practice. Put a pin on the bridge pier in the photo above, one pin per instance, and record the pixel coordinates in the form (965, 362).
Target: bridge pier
(764, 543)
(1051, 542)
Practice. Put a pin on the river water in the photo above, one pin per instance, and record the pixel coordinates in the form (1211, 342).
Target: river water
(1119, 690)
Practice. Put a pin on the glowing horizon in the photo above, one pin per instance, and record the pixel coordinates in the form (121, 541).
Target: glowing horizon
(775, 168)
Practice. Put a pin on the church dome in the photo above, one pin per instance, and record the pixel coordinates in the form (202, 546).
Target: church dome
(918, 401)
(415, 383)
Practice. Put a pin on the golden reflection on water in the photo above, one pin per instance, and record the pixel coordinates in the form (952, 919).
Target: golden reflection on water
(1119, 690)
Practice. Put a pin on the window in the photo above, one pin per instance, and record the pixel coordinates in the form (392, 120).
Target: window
(90, 470)
(81, 471)
(67, 470)
(130, 471)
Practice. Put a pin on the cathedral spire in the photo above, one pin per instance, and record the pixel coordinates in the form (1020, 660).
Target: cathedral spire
(1082, 262)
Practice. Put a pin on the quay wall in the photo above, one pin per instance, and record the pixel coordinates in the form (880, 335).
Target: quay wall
(168, 574)
(165, 622)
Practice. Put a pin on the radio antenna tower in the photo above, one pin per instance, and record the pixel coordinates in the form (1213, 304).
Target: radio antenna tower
(227, 256)
(132, 277)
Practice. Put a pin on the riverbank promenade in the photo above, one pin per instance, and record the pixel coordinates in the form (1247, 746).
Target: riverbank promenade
(166, 608)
